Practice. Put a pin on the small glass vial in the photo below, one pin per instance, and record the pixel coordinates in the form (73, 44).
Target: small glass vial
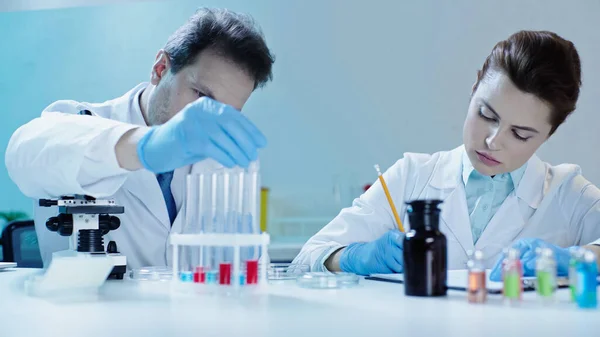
(586, 289)
(545, 275)
(476, 290)
(576, 256)
(512, 277)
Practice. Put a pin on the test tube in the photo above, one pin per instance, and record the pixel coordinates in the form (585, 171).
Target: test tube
(223, 223)
(204, 186)
(477, 291)
(228, 178)
(189, 255)
(217, 225)
(241, 225)
(239, 194)
(512, 277)
(545, 272)
(252, 205)
(254, 195)
(197, 218)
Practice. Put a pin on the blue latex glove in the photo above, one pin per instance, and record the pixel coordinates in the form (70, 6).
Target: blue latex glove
(204, 129)
(528, 255)
(382, 256)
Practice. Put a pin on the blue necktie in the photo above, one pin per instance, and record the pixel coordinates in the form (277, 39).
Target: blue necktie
(164, 180)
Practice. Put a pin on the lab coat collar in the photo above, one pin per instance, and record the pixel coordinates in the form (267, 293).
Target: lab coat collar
(530, 187)
(127, 107)
(468, 170)
(446, 173)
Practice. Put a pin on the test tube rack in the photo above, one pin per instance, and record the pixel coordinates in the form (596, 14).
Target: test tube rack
(226, 240)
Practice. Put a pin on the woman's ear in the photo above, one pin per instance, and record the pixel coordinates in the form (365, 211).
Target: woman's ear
(476, 82)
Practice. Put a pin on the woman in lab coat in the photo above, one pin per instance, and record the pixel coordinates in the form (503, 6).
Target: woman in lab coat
(496, 191)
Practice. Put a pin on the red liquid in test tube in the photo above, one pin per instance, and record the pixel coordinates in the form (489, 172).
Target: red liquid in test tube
(199, 275)
(251, 272)
(225, 273)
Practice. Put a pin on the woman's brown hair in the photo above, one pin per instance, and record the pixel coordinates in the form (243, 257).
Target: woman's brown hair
(540, 63)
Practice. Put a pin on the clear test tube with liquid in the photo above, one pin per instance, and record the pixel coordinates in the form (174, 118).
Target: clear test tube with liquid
(251, 223)
(222, 206)
(230, 180)
(244, 195)
(195, 260)
(189, 256)
(251, 204)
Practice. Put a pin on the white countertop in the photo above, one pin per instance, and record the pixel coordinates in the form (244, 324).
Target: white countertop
(372, 309)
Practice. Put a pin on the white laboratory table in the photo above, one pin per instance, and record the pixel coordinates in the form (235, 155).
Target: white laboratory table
(373, 308)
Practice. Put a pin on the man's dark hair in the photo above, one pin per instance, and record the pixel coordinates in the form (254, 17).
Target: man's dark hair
(233, 35)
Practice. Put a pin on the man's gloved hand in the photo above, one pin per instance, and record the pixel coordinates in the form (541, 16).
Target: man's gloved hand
(204, 129)
(383, 255)
(528, 247)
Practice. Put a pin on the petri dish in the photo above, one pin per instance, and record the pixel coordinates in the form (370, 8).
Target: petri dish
(324, 280)
(286, 271)
(151, 274)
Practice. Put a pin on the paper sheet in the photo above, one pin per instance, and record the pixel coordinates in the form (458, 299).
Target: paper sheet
(456, 278)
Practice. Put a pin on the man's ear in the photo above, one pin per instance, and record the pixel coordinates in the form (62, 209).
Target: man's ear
(161, 66)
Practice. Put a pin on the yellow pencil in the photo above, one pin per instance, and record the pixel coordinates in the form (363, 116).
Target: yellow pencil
(389, 198)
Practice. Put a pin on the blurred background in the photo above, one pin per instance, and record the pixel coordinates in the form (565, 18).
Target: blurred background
(356, 83)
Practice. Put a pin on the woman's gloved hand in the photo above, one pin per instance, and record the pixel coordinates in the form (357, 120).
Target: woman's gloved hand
(382, 256)
(528, 255)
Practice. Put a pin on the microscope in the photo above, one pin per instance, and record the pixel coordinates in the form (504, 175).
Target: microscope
(86, 220)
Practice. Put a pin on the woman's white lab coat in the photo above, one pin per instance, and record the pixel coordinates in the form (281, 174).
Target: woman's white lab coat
(62, 153)
(553, 203)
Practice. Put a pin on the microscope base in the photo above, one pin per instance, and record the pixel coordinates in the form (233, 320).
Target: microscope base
(117, 273)
(120, 267)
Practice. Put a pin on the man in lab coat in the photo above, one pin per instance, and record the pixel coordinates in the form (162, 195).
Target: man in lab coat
(138, 148)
